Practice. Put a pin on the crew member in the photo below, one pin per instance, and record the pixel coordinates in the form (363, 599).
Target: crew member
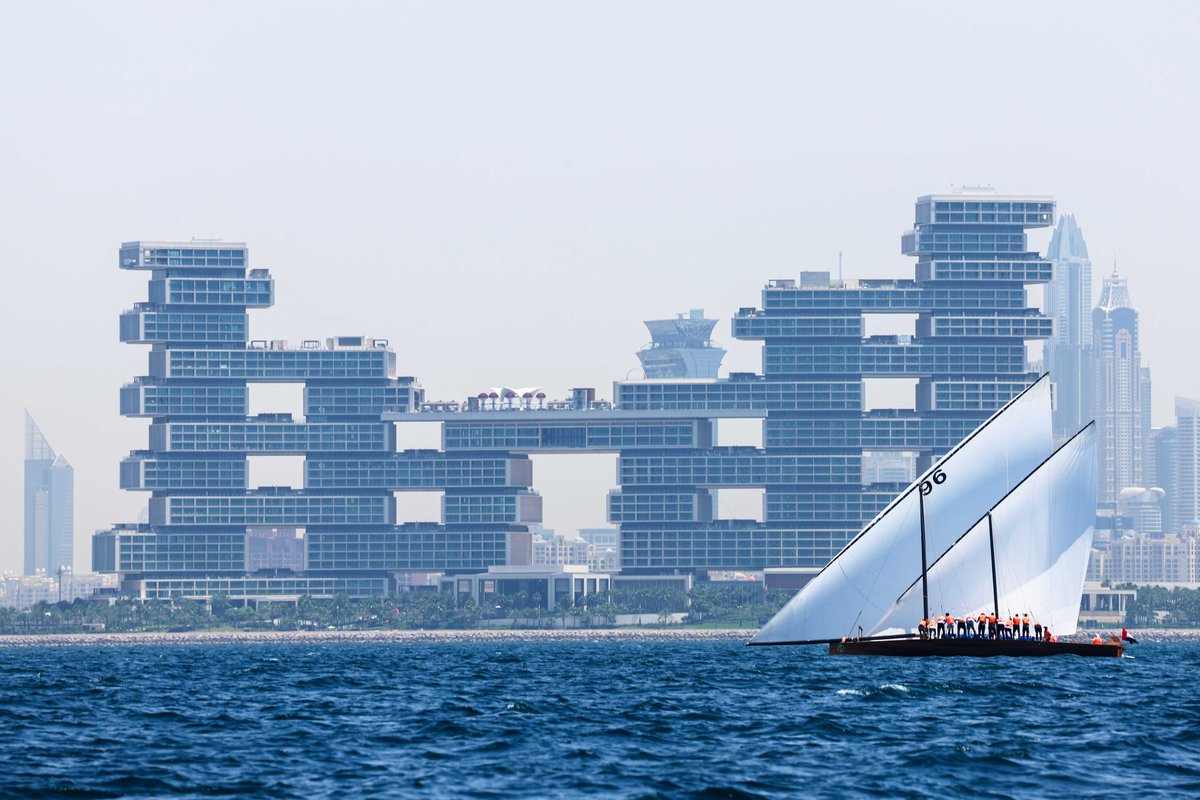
(941, 627)
(982, 625)
(1037, 630)
(921, 628)
(970, 621)
(962, 627)
(1097, 639)
(992, 632)
(1024, 626)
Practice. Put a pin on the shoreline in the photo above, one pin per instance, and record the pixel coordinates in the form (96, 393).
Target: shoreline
(476, 636)
(481, 636)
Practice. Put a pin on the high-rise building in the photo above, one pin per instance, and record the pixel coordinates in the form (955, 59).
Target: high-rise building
(1159, 471)
(1122, 388)
(681, 347)
(1184, 494)
(1068, 354)
(49, 505)
(203, 506)
(847, 413)
(830, 391)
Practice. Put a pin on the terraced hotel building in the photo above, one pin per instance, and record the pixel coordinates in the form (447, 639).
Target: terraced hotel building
(962, 356)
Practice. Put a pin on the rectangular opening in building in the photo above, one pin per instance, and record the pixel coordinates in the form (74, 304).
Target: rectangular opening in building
(739, 433)
(739, 504)
(275, 471)
(889, 325)
(276, 398)
(889, 393)
(418, 506)
(888, 466)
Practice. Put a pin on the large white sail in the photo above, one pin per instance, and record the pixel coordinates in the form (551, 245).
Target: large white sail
(1042, 533)
(859, 587)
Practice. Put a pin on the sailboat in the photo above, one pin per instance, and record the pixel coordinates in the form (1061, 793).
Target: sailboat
(1003, 522)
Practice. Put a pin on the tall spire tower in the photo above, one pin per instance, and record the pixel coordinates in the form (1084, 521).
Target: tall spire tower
(1121, 389)
(49, 505)
(1069, 357)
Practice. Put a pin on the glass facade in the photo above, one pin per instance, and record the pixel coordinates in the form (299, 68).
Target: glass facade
(197, 397)
(49, 505)
(824, 430)
(966, 356)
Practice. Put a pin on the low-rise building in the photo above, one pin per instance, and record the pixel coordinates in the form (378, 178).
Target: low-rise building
(1101, 606)
(541, 586)
(23, 591)
(1140, 558)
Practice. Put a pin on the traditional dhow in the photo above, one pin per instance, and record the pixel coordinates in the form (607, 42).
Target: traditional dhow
(1004, 522)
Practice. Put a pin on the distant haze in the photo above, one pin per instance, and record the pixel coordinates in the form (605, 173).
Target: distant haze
(506, 191)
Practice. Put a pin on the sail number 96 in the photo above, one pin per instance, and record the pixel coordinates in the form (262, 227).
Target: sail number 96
(937, 477)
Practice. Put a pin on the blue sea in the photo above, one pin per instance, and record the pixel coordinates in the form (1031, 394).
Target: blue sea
(691, 719)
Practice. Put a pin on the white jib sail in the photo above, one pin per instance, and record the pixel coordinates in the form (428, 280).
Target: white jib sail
(1041, 572)
(1042, 533)
(860, 585)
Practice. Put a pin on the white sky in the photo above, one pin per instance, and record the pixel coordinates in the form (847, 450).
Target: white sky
(506, 191)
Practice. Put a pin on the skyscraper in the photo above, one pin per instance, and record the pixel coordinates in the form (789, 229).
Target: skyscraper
(203, 439)
(1184, 496)
(962, 357)
(1069, 350)
(49, 505)
(1158, 470)
(837, 396)
(681, 347)
(1121, 388)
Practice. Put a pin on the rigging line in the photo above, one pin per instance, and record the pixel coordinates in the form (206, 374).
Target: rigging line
(998, 502)
(921, 479)
(879, 572)
(908, 514)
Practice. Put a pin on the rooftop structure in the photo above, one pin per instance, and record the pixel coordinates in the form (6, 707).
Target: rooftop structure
(681, 347)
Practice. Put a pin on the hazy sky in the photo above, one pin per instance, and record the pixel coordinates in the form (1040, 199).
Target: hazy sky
(506, 190)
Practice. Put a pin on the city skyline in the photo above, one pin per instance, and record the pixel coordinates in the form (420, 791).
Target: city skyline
(561, 225)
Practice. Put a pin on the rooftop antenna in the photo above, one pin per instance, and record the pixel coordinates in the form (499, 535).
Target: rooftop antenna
(839, 266)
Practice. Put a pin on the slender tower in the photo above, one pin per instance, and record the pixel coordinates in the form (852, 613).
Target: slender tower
(1121, 390)
(49, 505)
(1069, 352)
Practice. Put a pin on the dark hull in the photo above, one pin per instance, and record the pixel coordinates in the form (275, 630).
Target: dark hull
(973, 647)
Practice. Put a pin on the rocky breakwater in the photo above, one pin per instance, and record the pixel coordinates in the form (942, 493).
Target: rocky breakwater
(367, 637)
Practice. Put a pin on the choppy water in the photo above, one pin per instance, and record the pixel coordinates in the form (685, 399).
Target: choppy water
(564, 719)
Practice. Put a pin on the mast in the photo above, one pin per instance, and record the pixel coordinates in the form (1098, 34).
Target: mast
(992, 547)
(924, 559)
